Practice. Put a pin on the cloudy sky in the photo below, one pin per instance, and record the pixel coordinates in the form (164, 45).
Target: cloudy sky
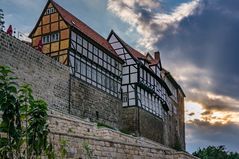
(198, 41)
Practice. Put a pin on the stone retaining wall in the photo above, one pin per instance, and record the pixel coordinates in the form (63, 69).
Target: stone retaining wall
(94, 104)
(48, 77)
(104, 142)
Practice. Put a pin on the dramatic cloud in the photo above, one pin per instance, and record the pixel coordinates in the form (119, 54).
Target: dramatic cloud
(149, 22)
(198, 41)
(206, 45)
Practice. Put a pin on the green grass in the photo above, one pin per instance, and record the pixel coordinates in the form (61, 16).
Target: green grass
(102, 125)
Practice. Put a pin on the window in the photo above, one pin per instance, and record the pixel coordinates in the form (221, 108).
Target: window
(99, 77)
(54, 37)
(90, 47)
(100, 54)
(79, 48)
(84, 52)
(125, 79)
(73, 45)
(149, 102)
(89, 71)
(103, 80)
(83, 68)
(77, 67)
(94, 74)
(126, 70)
(100, 62)
(84, 43)
(110, 60)
(79, 39)
(125, 97)
(50, 38)
(46, 39)
(133, 69)
(107, 82)
(132, 102)
(133, 78)
(95, 58)
(105, 57)
(50, 11)
(90, 63)
(90, 56)
(73, 36)
(72, 61)
(96, 51)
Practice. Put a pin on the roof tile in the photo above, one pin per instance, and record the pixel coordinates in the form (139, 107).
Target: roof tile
(85, 29)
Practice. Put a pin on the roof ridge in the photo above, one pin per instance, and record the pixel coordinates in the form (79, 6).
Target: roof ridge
(76, 18)
(78, 24)
(130, 48)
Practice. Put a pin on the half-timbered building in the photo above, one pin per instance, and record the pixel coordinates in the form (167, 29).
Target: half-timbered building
(142, 84)
(147, 90)
(150, 103)
(71, 42)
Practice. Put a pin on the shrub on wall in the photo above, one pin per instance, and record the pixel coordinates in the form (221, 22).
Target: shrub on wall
(24, 128)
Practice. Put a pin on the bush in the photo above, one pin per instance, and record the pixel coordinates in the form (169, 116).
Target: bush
(213, 152)
(24, 129)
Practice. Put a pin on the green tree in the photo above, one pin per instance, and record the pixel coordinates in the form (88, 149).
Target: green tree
(213, 152)
(10, 126)
(24, 128)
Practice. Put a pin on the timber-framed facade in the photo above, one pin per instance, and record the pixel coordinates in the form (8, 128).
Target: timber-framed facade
(150, 102)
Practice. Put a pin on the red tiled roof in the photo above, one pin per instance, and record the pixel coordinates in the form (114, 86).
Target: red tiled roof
(82, 27)
(154, 62)
(136, 54)
(139, 55)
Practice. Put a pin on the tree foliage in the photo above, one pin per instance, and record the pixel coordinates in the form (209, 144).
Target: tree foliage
(24, 128)
(213, 152)
(10, 126)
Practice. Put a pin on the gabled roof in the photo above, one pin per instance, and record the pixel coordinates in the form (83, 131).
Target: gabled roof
(154, 62)
(149, 57)
(135, 53)
(82, 27)
(137, 56)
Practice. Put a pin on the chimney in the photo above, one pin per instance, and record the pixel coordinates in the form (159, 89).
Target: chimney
(157, 55)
